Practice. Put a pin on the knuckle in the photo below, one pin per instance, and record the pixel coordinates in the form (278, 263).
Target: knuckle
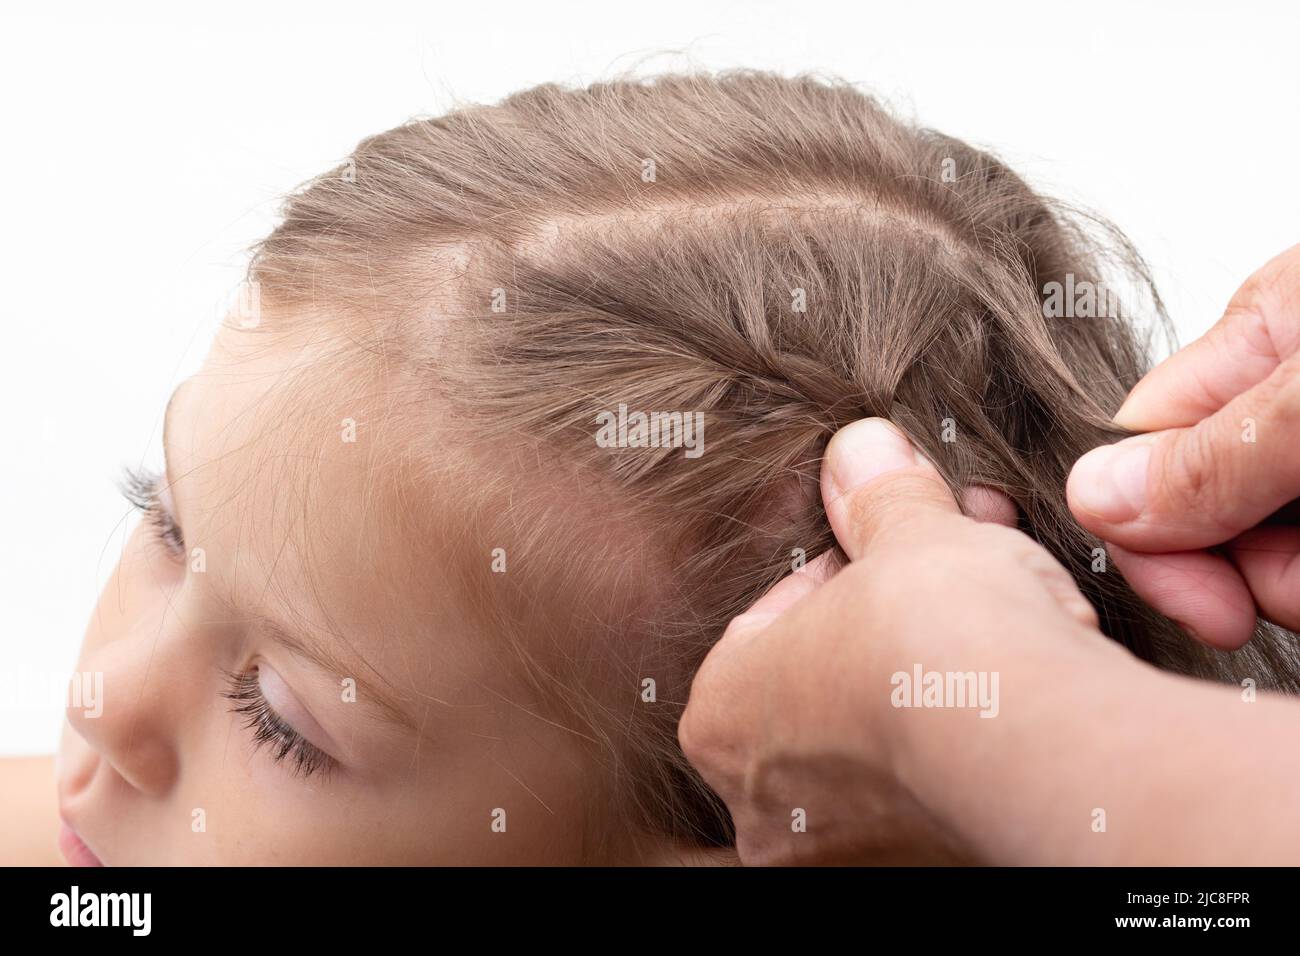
(1271, 299)
(899, 500)
(694, 734)
(1277, 298)
(735, 627)
(1188, 474)
(1279, 398)
(696, 725)
(686, 732)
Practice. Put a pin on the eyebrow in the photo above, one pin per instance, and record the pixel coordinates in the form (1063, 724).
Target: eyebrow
(313, 651)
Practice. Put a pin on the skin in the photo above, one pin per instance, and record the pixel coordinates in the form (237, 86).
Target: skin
(927, 585)
(924, 585)
(288, 517)
(30, 824)
(305, 533)
(1218, 458)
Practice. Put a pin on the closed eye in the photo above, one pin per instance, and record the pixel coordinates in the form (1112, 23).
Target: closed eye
(270, 729)
(141, 488)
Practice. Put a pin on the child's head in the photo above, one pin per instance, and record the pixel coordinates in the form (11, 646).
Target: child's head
(416, 524)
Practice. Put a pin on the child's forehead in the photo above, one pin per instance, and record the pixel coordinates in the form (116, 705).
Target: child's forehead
(289, 469)
(268, 417)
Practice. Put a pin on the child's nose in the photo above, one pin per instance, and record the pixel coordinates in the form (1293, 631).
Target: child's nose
(122, 707)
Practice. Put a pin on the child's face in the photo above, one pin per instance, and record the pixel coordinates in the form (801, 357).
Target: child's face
(306, 565)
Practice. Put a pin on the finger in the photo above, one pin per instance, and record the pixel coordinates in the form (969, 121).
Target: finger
(783, 595)
(1202, 592)
(1258, 331)
(874, 480)
(1191, 488)
(1269, 560)
(989, 505)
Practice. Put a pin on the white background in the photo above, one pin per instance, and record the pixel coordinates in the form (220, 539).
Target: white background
(142, 152)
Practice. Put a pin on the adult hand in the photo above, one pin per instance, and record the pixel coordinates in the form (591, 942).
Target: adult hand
(803, 717)
(1221, 455)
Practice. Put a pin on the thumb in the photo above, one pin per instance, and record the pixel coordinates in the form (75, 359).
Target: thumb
(1258, 331)
(874, 481)
(1192, 488)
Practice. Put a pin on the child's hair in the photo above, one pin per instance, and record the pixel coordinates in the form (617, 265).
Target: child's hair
(781, 255)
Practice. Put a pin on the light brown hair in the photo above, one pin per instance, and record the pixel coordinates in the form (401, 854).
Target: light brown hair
(649, 243)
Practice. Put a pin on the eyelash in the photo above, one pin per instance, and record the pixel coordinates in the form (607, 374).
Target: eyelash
(140, 488)
(269, 728)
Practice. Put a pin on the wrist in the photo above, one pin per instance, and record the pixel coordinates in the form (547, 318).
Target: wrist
(980, 771)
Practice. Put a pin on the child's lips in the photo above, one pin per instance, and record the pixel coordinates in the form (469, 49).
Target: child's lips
(75, 851)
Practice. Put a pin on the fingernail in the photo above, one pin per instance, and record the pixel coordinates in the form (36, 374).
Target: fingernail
(1111, 482)
(865, 450)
